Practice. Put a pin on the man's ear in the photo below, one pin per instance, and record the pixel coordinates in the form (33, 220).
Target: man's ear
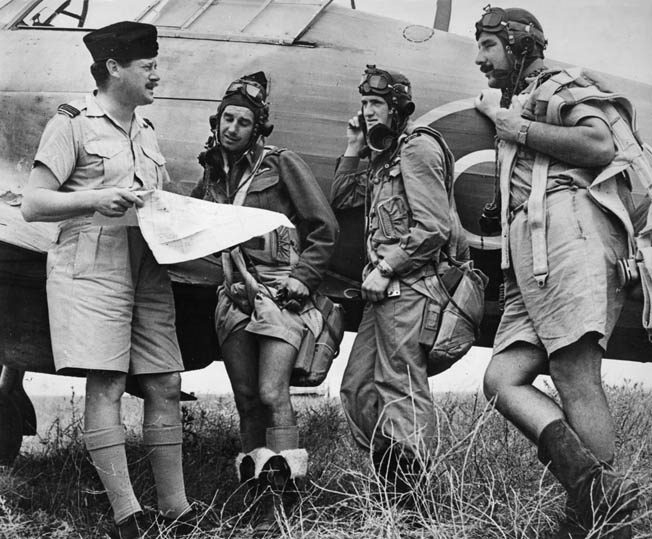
(112, 66)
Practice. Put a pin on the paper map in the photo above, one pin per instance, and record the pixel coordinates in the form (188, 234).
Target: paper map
(178, 228)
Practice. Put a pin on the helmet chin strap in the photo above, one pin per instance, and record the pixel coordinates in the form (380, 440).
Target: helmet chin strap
(514, 78)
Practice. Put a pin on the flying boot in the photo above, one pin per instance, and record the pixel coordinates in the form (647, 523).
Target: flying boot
(399, 473)
(280, 470)
(245, 467)
(599, 495)
(569, 527)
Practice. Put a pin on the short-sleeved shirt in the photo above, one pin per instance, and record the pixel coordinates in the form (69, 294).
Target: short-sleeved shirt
(560, 175)
(90, 151)
(110, 303)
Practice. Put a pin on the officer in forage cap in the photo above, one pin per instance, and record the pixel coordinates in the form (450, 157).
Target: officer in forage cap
(124, 40)
(110, 303)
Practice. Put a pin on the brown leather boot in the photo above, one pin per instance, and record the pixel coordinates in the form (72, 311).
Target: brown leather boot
(601, 497)
(569, 527)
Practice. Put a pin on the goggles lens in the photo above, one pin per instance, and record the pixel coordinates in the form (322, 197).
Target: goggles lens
(254, 92)
(492, 19)
(375, 82)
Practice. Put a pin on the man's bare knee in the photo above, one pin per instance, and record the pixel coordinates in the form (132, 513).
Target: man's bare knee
(247, 400)
(577, 365)
(491, 384)
(105, 386)
(164, 387)
(516, 366)
(274, 397)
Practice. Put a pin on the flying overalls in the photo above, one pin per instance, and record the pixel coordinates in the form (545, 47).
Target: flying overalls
(385, 391)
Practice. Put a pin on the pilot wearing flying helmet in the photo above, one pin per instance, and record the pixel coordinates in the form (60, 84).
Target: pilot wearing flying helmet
(559, 257)
(265, 305)
(405, 190)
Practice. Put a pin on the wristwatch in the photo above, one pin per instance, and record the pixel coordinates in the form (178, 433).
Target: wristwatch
(521, 137)
(385, 269)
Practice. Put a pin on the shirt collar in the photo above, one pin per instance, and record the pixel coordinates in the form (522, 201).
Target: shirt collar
(93, 108)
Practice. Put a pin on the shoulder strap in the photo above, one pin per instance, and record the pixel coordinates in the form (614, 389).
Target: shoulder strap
(449, 159)
(550, 87)
(274, 150)
(456, 244)
(68, 110)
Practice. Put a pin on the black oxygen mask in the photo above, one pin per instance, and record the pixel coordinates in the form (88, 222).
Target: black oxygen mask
(381, 137)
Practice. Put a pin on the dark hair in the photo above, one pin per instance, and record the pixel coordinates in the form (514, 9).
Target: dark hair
(101, 73)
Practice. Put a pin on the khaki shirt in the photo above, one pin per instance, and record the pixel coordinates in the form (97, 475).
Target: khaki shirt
(91, 151)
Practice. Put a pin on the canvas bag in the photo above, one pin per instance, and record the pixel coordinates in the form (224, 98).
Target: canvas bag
(450, 329)
(316, 355)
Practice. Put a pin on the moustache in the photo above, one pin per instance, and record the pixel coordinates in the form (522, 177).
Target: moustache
(500, 74)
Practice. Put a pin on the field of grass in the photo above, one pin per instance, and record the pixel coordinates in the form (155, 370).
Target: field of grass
(485, 481)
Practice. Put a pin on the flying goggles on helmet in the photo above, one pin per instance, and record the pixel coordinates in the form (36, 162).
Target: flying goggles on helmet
(376, 81)
(394, 88)
(249, 91)
(253, 91)
(496, 20)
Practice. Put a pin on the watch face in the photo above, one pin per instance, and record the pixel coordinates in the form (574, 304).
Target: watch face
(385, 270)
(521, 138)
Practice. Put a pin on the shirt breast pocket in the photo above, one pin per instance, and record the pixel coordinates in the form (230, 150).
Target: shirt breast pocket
(153, 175)
(114, 161)
(263, 191)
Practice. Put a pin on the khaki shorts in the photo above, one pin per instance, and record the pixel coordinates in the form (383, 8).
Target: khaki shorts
(110, 303)
(581, 294)
(266, 320)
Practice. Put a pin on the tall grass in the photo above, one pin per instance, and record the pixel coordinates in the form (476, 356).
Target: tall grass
(483, 480)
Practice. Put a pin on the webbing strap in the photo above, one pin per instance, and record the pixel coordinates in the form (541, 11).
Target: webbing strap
(251, 285)
(507, 160)
(546, 91)
(536, 216)
(245, 183)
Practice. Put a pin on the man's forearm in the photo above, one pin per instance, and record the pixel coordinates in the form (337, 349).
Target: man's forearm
(582, 145)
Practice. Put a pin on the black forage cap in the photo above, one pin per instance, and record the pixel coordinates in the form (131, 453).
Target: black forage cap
(126, 40)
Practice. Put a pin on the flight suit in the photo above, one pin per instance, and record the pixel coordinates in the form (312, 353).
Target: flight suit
(385, 391)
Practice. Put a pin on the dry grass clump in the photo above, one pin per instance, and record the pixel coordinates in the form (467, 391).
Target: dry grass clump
(483, 480)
